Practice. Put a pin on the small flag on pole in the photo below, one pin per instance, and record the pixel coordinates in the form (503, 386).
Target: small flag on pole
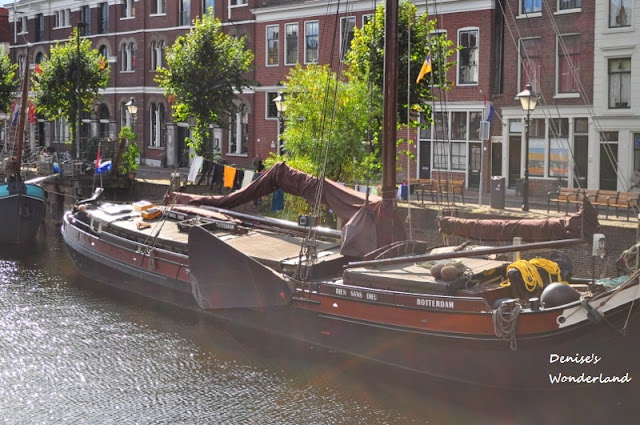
(98, 158)
(426, 68)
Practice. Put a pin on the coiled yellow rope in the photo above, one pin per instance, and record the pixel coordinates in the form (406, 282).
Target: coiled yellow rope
(530, 272)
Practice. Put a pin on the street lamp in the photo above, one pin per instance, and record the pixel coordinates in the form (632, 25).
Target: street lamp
(528, 100)
(281, 107)
(132, 107)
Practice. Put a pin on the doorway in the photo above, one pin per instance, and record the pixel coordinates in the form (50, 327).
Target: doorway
(183, 148)
(514, 160)
(424, 171)
(475, 164)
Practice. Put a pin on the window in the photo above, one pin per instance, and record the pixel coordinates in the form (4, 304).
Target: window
(158, 7)
(157, 54)
(62, 18)
(568, 64)
(366, 19)
(620, 83)
(536, 147)
(86, 18)
(103, 115)
(531, 6)
(530, 63)
(569, 4)
(39, 27)
(103, 18)
(559, 149)
(468, 56)
(185, 13)
(272, 45)
(239, 131)
(311, 42)
(291, 46)
(157, 125)
(347, 26)
(208, 6)
(125, 116)
(236, 3)
(458, 125)
(21, 25)
(620, 13)
(272, 111)
(128, 11)
(104, 51)
(128, 57)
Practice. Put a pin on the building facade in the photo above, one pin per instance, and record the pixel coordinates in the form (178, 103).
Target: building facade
(567, 50)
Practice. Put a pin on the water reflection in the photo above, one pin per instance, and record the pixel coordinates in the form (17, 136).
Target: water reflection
(71, 352)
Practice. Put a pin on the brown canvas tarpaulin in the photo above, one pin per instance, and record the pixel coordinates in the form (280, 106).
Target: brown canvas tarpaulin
(343, 201)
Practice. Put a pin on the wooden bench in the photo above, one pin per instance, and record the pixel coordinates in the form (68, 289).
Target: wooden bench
(564, 195)
(602, 199)
(627, 200)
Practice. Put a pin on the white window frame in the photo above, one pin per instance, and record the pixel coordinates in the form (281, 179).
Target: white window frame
(629, 13)
(160, 7)
(533, 13)
(128, 9)
(268, 97)
(127, 56)
(560, 9)
(476, 73)
(317, 37)
(268, 40)
(344, 49)
(62, 18)
(286, 42)
(238, 3)
(560, 49)
(621, 91)
(24, 28)
(241, 122)
(156, 117)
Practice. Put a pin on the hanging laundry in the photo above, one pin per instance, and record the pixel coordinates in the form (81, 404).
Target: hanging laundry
(237, 182)
(218, 173)
(277, 201)
(248, 178)
(229, 176)
(195, 169)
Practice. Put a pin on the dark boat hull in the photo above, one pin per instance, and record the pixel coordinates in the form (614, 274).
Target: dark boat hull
(21, 213)
(310, 319)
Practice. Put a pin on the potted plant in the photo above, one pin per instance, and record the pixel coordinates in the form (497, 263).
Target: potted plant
(129, 161)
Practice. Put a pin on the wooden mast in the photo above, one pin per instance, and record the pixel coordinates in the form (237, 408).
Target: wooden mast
(21, 118)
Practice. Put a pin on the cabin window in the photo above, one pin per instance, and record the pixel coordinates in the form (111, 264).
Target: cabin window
(273, 48)
(311, 42)
(291, 46)
(569, 4)
(468, 56)
(530, 63)
(568, 64)
(530, 6)
(619, 83)
(103, 18)
(620, 13)
(239, 131)
(347, 27)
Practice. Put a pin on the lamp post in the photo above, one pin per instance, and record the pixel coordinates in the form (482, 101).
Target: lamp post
(528, 100)
(78, 96)
(281, 107)
(132, 107)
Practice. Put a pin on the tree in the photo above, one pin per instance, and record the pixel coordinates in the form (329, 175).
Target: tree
(8, 81)
(326, 122)
(366, 57)
(55, 84)
(204, 69)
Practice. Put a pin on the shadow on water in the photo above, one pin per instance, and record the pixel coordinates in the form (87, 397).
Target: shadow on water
(361, 391)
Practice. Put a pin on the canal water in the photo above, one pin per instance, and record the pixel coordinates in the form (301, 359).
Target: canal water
(72, 352)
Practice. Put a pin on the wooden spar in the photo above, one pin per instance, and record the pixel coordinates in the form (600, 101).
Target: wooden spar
(461, 254)
(21, 118)
(389, 102)
(282, 224)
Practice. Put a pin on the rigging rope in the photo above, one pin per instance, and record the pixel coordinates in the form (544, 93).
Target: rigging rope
(505, 320)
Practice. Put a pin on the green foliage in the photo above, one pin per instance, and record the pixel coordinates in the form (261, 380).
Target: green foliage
(129, 161)
(8, 81)
(204, 68)
(327, 119)
(56, 88)
(366, 57)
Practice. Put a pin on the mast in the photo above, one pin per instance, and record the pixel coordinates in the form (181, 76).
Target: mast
(21, 118)
(389, 103)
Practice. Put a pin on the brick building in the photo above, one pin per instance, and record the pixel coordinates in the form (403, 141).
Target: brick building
(503, 45)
